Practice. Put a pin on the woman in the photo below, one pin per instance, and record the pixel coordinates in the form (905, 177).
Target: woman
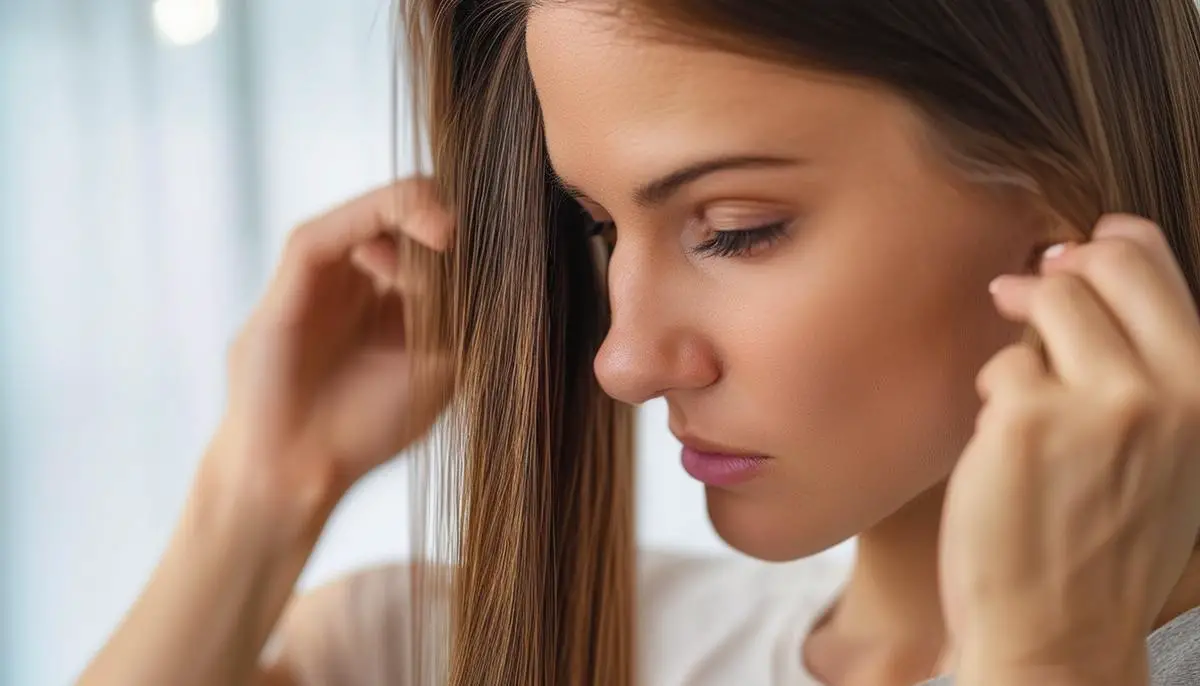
(829, 225)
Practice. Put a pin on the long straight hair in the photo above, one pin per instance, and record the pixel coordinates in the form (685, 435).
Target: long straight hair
(1091, 106)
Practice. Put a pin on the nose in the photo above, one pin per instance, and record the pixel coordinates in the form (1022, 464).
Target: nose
(652, 346)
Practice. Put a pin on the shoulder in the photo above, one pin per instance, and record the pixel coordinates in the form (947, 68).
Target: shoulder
(354, 630)
(348, 632)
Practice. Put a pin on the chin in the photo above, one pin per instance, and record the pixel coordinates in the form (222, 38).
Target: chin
(768, 531)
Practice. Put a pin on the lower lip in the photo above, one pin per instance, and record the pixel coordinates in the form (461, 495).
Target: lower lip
(715, 469)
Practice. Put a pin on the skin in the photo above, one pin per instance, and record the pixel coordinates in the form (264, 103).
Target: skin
(319, 384)
(1069, 484)
(874, 309)
(1097, 444)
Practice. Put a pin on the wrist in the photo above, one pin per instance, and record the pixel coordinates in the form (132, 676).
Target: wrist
(273, 502)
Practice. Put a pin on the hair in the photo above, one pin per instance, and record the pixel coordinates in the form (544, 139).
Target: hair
(1090, 105)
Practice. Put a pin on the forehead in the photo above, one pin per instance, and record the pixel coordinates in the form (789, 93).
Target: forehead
(609, 88)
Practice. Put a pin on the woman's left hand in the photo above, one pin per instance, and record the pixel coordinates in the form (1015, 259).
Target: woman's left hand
(1075, 507)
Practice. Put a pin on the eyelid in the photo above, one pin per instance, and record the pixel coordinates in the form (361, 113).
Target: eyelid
(739, 217)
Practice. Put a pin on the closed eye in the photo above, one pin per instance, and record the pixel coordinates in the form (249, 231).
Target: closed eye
(730, 243)
(742, 242)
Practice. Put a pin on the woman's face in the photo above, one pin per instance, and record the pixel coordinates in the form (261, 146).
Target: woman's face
(840, 341)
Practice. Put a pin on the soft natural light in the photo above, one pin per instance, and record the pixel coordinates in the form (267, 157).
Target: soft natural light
(186, 22)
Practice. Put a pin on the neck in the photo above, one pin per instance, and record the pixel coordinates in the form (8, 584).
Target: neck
(893, 591)
(890, 610)
(891, 606)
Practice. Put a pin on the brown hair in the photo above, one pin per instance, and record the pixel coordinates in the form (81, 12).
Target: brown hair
(1090, 104)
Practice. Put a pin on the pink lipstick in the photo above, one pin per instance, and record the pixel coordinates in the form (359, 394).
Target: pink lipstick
(721, 469)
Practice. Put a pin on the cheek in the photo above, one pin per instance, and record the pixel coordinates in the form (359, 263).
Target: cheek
(846, 384)
(857, 375)
(868, 356)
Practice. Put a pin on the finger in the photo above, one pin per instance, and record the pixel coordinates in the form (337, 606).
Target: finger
(1015, 369)
(1129, 266)
(377, 259)
(409, 207)
(316, 258)
(1149, 236)
(389, 326)
(1083, 340)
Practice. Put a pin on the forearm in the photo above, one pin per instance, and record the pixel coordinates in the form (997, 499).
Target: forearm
(216, 595)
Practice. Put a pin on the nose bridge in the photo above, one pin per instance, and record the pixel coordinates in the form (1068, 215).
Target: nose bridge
(651, 346)
(636, 288)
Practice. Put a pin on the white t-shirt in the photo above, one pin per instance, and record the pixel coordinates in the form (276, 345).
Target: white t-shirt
(702, 622)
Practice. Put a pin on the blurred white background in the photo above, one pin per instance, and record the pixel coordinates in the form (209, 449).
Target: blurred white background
(152, 156)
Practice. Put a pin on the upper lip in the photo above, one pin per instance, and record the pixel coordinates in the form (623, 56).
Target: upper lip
(701, 445)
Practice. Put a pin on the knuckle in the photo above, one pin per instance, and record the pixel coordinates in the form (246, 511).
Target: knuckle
(1127, 224)
(997, 364)
(1021, 411)
(984, 385)
(985, 380)
(1020, 355)
(412, 193)
(300, 243)
(416, 207)
(1130, 402)
(1019, 428)
(418, 183)
(1055, 290)
(1012, 362)
(1023, 416)
(1108, 257)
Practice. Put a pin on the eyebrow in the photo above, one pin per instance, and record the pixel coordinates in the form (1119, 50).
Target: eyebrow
(660, 190)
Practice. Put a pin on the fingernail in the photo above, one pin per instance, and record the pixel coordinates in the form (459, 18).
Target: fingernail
(1054, 251)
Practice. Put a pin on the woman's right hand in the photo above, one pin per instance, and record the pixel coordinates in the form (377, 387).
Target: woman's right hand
(323, 385)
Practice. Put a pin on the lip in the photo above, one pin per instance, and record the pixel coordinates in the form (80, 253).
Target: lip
(716, 465)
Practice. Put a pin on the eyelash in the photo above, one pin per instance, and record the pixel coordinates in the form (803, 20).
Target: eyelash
(741, 242)
(730, 243)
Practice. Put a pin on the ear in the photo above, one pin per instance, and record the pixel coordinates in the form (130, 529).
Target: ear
(1051, 227)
